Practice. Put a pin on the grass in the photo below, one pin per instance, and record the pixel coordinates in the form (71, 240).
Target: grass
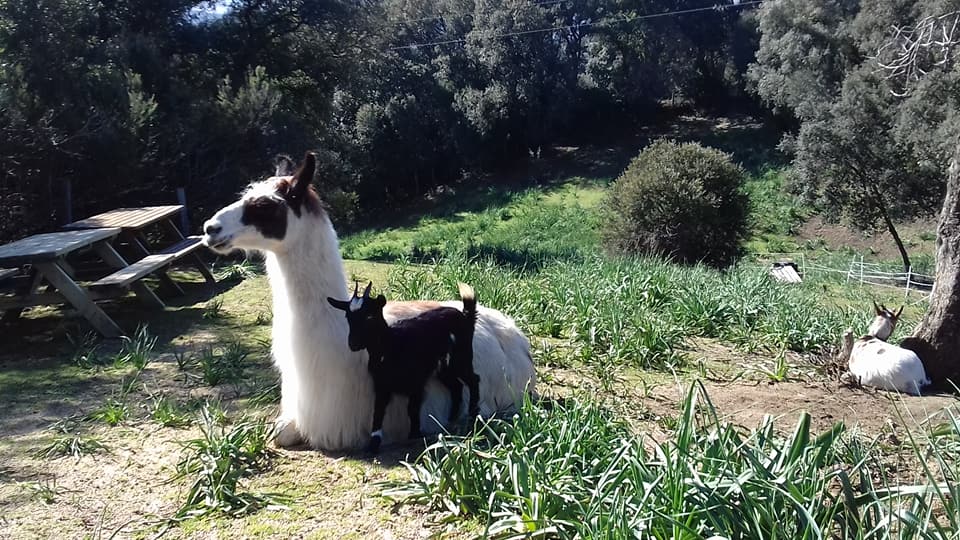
(217, 462)
(532, 227)
(168, 413)
(639, 312)
(573, 470)
(136, 350)
(70, 442)
(112, 413)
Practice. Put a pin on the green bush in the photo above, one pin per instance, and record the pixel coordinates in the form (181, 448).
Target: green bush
(681, 201)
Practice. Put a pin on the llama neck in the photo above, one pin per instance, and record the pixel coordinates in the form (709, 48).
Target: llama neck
(302, 277)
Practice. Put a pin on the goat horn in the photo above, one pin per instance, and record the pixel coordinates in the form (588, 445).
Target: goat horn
(366, 292)
(899, 311)
(876, 308)
(356, 288)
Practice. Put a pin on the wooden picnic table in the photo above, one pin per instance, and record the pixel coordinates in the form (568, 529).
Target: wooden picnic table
(46, 254)
(132, 222)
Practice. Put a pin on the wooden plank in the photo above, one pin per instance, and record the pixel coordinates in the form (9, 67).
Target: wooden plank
(111, 257)
(138, 242)
(10, 304)
(50, 246)
(194, 257)
(137, 270)
(79, 299)
(184, 247)
(126, 218)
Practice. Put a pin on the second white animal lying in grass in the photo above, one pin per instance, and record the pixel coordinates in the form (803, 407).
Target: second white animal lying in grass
(874, 362)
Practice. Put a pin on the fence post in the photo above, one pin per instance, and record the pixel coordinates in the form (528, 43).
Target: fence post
(184, 218)
(907, 292)
(68, 199)
(861, 270)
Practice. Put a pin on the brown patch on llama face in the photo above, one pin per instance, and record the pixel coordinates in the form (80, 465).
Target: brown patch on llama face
(267, 214)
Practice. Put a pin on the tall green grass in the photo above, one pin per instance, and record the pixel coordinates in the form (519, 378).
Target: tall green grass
(573, 470)
(639, 311)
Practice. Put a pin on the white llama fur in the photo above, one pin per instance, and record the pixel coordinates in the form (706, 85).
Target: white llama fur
(326, 390)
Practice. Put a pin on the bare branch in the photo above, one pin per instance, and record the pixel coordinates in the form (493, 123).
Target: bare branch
(913, 51)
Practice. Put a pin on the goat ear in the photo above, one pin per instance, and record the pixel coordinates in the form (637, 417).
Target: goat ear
(899, 311)
(381, 300)
(342, 305)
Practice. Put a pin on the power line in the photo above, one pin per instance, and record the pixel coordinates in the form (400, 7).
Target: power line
(470, 14)
(584, 24)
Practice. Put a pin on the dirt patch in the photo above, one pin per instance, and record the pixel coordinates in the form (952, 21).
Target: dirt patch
(872, 411)
(918, 237)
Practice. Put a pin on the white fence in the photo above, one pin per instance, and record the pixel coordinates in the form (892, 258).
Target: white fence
(864, 273)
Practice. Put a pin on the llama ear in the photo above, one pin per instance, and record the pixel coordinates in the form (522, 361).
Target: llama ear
(283, 165)
(899, 311)
(304, 176)
(342, 305)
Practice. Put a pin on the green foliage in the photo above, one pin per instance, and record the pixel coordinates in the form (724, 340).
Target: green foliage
(533, 227)
(86, 350)
(165, 94)
(68, 441)
(112, 413)
(681, 201)
(168, 413)
(773, 212)
(639, 311)
(572, 470)
(873, 147)
(136, 351)
(216, 463)
(221, 365)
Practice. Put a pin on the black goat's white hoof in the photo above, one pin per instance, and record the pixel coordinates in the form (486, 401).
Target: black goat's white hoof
(374, 445)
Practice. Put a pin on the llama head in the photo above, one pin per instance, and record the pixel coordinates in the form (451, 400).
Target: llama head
(365, 317)
(884, 322)
(269, 214)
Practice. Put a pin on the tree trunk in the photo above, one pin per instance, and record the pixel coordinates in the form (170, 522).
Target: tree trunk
(882, 207)
(937, 339)
(898, 241)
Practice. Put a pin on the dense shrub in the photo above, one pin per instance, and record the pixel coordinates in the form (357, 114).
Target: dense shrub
(682, 201)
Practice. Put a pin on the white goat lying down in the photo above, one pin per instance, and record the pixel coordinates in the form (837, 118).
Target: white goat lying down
(874, 362)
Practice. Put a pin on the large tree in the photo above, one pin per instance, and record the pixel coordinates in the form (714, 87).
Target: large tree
(922, 63)
(860, 155)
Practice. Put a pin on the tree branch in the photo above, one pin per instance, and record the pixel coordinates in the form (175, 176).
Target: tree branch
(914, 51)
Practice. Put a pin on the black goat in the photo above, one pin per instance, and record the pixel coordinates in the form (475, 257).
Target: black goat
(404, 356)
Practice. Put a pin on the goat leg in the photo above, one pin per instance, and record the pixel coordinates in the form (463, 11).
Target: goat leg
(473, 383)
(413, 411)
(379, 410)
(449, 379)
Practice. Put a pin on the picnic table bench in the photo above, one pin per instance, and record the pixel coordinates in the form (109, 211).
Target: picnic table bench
(132, 222)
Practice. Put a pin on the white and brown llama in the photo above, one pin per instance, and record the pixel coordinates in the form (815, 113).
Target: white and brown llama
(326, 390)
(874, 362)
